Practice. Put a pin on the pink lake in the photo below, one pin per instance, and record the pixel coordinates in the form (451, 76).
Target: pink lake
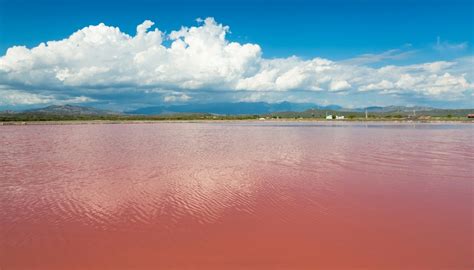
(237, 196)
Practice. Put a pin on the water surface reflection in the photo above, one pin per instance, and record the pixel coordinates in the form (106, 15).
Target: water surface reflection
(236, 196)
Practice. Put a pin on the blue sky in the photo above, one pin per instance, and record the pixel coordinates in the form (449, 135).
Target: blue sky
(367, 35)
(334, 29)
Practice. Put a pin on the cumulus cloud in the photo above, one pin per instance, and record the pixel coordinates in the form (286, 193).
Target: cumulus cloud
(339, 85)
(102, 59)
(176, 98)
(17, 97)
(383, 85)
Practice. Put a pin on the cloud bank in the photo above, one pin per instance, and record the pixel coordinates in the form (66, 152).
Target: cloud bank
(102, 61)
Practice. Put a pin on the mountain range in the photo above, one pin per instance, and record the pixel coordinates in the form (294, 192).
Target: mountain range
(227, 108)
(240, 108)
(70, 110)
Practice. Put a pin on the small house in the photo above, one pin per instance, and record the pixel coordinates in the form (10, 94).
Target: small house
(471, 115)
(329, 117)
(339, 117)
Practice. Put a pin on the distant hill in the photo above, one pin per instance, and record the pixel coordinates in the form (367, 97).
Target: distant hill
(387, 109)
(242, 110)
(283, 109)
(70, 110)
(223, 108)
(227, 108)
(403, 112)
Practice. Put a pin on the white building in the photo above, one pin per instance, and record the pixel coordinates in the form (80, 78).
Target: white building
(337, 117)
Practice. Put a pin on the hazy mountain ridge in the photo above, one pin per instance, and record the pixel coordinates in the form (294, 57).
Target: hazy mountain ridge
(391, 109)
(70, 110)
(228, 108)
(265, 108)
(225, 108)
(240, 108)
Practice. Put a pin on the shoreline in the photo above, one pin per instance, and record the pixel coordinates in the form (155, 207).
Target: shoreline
(111, 122)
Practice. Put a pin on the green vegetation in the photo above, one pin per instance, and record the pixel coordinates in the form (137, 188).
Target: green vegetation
(431, 115)
(32, 117)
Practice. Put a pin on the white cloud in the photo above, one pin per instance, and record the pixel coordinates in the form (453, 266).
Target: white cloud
(445, 46)
(254, 97)
(394, 54)
(17, 97)
(175, 98)
(383, 85)
(102, 59)
(339, 85)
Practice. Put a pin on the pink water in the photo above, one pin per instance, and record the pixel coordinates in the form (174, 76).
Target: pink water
(237, 196)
